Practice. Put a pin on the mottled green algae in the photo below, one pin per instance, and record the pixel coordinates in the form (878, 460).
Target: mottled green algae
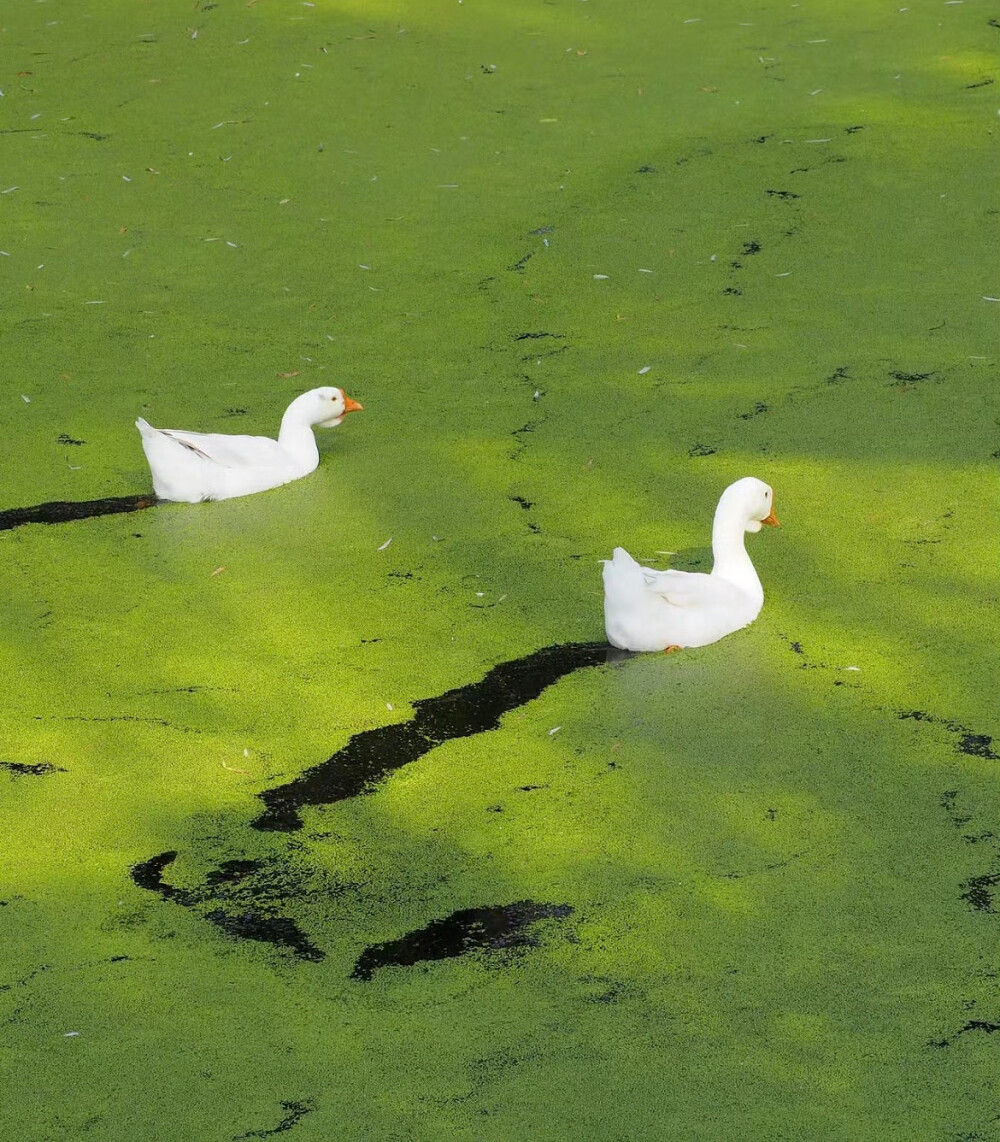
(777, 932)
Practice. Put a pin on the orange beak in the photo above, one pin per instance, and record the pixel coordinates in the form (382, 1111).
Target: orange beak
(352, 405)
(772, 519)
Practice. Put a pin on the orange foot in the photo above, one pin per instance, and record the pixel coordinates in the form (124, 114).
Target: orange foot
(670, 649)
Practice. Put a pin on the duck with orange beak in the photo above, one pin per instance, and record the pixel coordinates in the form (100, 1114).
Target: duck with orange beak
(196, 466)
(647, 610)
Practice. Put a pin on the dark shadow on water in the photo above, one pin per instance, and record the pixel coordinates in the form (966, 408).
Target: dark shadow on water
(373, 754)
(247, 924)
(249, 890)
(279, 931)
(494, 928)
(149, 875)
(66, 511)
(295, 1111)
(30, 769)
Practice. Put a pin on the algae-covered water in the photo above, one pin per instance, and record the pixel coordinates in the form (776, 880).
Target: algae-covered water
(305, 831)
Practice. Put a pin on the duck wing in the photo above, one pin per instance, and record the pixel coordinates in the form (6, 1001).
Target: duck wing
(228, 451)
(691, 588)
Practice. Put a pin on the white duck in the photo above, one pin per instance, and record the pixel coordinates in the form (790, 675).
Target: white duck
(196, 466)
(667, 610)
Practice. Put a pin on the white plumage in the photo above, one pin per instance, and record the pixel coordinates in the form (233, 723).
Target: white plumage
(196, 466)
(648, 610)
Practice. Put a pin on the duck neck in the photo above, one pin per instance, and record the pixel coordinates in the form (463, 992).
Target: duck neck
(296, 437)
(730, 559)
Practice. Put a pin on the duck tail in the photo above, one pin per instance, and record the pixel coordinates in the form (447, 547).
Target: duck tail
(620, 570)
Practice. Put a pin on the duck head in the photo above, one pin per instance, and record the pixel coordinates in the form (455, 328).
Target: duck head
(752, 501)
(325, 407)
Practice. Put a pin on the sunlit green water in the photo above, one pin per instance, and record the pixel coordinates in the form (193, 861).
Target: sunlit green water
(761, 239)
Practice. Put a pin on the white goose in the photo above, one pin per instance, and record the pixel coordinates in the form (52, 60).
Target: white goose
(667, 610)
(196, 466)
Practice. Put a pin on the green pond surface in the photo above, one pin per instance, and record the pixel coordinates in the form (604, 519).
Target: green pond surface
(584, 262)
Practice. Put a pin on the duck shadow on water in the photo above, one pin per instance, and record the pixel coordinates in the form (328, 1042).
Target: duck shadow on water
(245, 893)
(370, 756)
(67, 511)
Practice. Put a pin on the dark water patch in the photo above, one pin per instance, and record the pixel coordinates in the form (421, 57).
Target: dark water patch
(797, 648)
(295, 1111)
(701, 450)
(249, 923)
(64, 438)
(733, 290)
(518, 266)
(538, 336)
(972, 1025)
(979, 745)
(761, 139)
(370, 756)
(646, 170)
(245, 894)
(279, 931)
(540, 231)
(973, 744)
(94, 135)
(982, 83)
(758, 409)
(838, 376)
(236, 412)
(853, 130)
(751, 247)
(66, 511)
(149, 875)
(490, 928)
(978, 892)
(30, 769)
(901, 378)
(233, 871)
(527, 505)
(786, 194)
